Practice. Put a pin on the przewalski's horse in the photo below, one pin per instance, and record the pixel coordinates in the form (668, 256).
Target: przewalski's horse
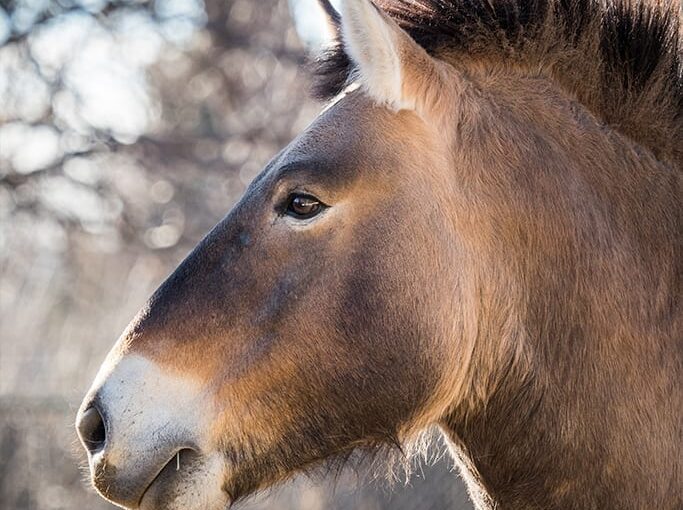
(484, 235)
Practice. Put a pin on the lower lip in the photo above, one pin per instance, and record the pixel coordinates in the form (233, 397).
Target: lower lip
(173, 466)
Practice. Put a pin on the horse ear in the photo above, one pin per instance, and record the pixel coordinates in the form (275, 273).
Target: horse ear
(332, 17)
(392, 68)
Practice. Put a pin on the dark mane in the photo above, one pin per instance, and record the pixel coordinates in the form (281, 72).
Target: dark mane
(622, 60)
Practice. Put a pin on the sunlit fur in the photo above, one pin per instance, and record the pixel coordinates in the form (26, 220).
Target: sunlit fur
(621, 59)
(499, 257)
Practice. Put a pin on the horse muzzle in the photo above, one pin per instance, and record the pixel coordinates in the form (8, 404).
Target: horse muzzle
(143, 431)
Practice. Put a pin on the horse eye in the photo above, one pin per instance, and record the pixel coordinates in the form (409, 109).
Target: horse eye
(303, 206)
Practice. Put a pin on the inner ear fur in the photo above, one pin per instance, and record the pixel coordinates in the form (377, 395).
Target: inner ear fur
(391, 67)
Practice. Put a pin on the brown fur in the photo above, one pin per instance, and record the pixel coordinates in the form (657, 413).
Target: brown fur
(515, 278)
(574, 278)
(620, 59)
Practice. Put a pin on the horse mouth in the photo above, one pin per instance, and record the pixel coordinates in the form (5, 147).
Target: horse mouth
(167, 476)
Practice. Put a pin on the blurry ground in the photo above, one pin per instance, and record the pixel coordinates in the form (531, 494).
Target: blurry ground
(127, 129)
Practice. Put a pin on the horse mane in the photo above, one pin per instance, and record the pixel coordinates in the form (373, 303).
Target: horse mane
(622, 59)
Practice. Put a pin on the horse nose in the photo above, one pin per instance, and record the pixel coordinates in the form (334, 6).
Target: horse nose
(92, 430)
(132, 432)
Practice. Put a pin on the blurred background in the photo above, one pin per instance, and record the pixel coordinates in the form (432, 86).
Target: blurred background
(128, 128)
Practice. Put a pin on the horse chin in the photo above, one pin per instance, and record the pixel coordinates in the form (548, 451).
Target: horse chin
(189, 481)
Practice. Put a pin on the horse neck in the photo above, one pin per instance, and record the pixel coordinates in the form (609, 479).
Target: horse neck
(571, 263)
(580, 441)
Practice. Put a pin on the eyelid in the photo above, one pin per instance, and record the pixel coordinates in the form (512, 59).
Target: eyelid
(300, 189)
(303, 191)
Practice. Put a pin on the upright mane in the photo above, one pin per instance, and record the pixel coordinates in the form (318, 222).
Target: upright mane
(622, 59)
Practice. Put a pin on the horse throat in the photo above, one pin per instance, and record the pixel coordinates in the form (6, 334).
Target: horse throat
(594, 439)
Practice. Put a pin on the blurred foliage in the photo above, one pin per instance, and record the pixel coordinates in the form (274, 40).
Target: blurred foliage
(111, 112)
(127, 129)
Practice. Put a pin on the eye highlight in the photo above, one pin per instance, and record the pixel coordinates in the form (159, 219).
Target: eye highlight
(302, 206)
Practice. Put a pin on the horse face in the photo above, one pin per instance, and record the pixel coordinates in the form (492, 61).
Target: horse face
(307, 323)
(313, 320)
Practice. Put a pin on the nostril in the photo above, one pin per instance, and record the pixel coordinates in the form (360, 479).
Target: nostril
(92, 431)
